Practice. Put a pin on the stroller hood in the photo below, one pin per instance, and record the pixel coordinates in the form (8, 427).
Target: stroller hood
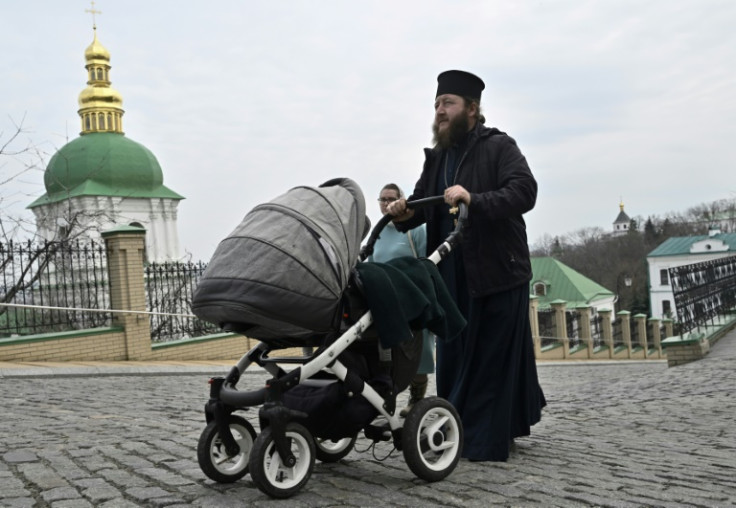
(282, 271)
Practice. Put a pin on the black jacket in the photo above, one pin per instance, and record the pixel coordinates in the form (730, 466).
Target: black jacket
(502, 188)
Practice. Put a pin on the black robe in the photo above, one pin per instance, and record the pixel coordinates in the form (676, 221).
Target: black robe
(489, 373)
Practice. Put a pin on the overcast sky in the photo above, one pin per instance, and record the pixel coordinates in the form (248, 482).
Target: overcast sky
(242, 100)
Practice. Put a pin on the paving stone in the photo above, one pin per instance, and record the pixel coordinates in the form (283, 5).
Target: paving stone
(60, 493)
(17, 502)
(19, 456)
(614, 434)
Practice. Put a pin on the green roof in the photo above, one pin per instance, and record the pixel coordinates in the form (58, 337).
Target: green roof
(103, 164)
(681, 245)
(564, 283)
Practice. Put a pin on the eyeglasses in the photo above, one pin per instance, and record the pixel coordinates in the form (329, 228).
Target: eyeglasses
(387, 200)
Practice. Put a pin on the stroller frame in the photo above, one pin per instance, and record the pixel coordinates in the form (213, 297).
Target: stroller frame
(280, 459)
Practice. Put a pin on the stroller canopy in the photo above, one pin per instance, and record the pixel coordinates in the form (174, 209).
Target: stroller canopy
(282, 271)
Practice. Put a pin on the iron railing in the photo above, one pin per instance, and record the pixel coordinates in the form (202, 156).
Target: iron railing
(169, 290)
(547, 327)
(70, 276)
(702, 291)
(596, 330)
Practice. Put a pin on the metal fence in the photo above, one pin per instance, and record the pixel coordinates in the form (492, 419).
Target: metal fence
(169, 290)
(596, 329)
(547, 327)
(703, 290)
(68, 275)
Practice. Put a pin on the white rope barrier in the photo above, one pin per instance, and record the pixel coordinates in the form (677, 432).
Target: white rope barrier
(81, 309)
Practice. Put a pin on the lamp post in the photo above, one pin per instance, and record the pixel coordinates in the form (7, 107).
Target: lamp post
(623, 280)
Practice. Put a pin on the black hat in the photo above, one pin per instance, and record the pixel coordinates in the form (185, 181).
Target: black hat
(460, 83)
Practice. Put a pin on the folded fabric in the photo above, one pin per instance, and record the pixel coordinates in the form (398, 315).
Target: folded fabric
(406, 293)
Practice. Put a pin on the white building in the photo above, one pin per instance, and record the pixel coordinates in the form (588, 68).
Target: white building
(680, 251)
(102, 179)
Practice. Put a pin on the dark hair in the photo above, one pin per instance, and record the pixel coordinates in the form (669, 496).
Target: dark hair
(393, 186)
(476, 101)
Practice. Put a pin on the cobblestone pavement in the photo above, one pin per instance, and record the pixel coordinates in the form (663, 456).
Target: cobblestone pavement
(613, 434)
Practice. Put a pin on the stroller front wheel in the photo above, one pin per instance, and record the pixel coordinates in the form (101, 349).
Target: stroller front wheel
(269, 472)
(432, 439)
(213, 458)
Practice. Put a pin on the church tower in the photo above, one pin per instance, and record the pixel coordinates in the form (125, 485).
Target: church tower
(622, 222)
(103, 179)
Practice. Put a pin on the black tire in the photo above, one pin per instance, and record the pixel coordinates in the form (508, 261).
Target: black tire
(267, 469)
(214, 460)
(330, 450)
(432, 439)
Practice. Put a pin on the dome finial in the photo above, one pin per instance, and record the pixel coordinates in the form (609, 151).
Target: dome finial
(93, 12)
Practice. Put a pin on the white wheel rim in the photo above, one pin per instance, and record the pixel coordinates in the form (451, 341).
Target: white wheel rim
(235, 464)
(282, 476)
(331, 446)
(438, 439)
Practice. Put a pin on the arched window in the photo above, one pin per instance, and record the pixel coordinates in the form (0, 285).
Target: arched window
(99, 74)
(87, 125)
(109, 122)
(540, 289)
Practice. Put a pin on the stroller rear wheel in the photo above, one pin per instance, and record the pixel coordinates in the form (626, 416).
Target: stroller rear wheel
(267, 469)
(432, 439)
(214, 460)
(329, 450)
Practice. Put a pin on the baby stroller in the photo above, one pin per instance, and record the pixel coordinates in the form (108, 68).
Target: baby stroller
(290, 276)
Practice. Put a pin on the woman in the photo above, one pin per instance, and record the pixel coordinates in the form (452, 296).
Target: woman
(392, 244)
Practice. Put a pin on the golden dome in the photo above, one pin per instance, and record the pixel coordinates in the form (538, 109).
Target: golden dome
(97, 96)
(96, 52)
(100, 105)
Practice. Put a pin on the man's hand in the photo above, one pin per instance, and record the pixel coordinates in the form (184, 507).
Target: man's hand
(399, 211)
(456, 194)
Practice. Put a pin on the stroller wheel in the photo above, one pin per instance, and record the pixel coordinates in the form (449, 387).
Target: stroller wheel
(432, 439)
(267, 469)
(214, 460)
(329, 450)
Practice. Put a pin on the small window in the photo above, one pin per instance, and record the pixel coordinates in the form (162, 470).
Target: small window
(666, 308)
(664, 277)
(540, 289)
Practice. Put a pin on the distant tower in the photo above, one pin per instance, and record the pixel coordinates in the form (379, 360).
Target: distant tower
(622, 222)
(102, 179)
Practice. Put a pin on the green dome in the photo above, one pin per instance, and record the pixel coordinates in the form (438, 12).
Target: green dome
(104, 164)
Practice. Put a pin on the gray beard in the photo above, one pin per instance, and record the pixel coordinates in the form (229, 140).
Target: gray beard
(454, 133)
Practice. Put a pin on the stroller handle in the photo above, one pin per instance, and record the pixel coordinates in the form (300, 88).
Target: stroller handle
(453, 239)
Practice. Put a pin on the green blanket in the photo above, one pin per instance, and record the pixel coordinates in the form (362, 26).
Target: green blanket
(407, 293)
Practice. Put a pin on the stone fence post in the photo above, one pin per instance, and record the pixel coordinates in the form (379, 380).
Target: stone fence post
(669, 328)
(125, 257)
(625, 324)
(607, 329)
(534, 322)
(586, 333)
(656, 336)
(641, 326)
(559, 307)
